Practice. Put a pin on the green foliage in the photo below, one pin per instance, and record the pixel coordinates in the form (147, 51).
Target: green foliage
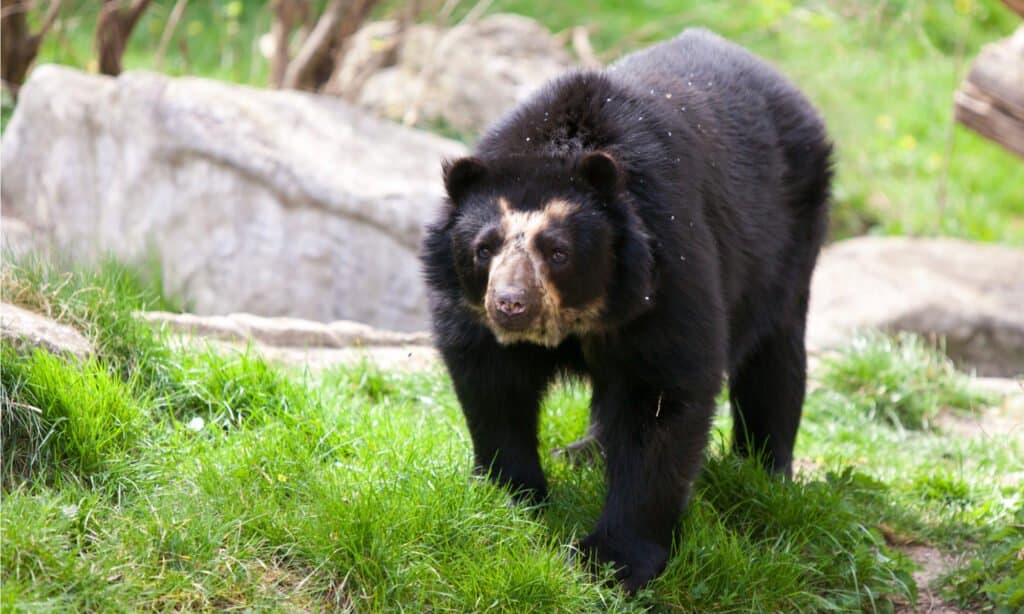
(900, 380)
(996, 575)
(6, 109)
(215, 39)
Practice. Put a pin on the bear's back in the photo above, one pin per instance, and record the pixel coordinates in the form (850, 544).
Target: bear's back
(717, 74)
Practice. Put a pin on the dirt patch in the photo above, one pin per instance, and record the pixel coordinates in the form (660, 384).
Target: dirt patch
(806, 468)
(934, 564)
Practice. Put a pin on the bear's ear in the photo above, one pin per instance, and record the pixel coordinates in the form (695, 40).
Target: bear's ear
(601, 172)
(460, 175)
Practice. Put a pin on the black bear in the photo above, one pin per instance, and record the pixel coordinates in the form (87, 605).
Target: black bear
(650, 227)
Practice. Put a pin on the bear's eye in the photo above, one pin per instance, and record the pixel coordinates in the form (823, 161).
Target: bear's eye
(483, 252)
(558, 256)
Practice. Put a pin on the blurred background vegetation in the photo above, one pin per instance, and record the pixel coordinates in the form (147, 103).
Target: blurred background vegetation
(883, 72)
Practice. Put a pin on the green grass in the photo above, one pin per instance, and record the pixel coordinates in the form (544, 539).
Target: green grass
(151, 477)
(883, 73)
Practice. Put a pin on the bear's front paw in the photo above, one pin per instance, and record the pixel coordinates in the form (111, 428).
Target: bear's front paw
(524, 483)
(636, 561)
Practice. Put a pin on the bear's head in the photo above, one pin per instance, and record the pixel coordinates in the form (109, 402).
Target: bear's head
(535, 242)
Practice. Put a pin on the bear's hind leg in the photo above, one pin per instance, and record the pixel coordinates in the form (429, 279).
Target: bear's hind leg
(766, 391)
(586, 450)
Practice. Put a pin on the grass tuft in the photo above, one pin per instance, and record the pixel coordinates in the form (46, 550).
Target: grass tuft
(78, 417)
(900, 380)
(228, 391)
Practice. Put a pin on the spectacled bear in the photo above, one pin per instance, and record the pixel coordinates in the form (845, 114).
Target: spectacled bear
(650, 227)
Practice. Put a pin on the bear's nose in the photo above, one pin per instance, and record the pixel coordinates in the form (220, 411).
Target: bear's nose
(511, 301)
(514, 308)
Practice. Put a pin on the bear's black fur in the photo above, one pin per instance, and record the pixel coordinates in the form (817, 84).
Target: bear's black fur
(697, 181)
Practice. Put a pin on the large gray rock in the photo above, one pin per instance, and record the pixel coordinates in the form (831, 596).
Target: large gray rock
(970, 294)
(466, 76)
(274, 203)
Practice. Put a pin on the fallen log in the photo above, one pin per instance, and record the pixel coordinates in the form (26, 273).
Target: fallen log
(990, 101)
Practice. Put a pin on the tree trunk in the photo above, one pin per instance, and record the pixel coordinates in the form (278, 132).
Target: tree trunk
(113, 28)
(287, 13)
(18, 45)
(1017, 6)
(314, 64)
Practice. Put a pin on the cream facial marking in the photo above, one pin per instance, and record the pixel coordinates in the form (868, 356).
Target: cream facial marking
(519, 264)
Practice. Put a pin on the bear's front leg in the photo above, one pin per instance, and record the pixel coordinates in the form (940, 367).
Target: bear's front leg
(654, 445)
(500, 390)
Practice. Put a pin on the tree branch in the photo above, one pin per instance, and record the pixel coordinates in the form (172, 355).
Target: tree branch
(299, 74)
(286, 14)
(136, 10)
(49, 19)
(165, 39)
